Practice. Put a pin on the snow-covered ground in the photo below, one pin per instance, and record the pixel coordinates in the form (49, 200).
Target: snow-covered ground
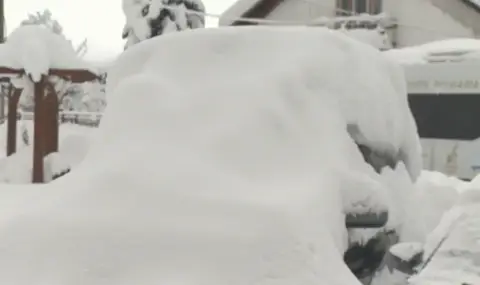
(16, 169)
(241, 176)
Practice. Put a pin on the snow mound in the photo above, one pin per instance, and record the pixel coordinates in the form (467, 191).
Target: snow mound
(385, 120)
(222, 173)
(36, 49)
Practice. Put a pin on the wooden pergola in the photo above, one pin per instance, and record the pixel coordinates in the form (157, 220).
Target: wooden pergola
(46, 112)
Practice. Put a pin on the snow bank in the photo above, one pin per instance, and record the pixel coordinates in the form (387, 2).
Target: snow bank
(36, 49)
(221, 173)
(421, 54)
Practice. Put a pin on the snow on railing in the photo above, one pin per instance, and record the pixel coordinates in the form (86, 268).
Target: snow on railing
(89, 119)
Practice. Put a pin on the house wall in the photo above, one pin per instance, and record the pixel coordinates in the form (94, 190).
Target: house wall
(303, 11)
(420, 21)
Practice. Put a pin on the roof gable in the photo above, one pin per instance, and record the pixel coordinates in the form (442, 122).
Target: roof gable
(475, 4)
(258, 9)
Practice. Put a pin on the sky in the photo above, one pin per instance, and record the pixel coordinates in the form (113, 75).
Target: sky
(100, 21)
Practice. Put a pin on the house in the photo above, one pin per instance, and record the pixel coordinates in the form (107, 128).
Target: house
(407, 22)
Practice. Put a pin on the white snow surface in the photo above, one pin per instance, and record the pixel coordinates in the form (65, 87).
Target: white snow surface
(466, 48)
(36, 49)
(372, 37)
(457, 260)
(16, 169)
(406, 250)
(386, 122)
(221, 173)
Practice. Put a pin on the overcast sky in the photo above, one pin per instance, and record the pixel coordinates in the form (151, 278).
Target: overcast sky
(100, 21)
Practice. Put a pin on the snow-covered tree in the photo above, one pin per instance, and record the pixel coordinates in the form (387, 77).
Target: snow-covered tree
(68, 94)
(149, 18)
(95, 99)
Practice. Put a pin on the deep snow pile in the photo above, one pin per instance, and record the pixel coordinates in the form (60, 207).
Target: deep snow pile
(222, 173)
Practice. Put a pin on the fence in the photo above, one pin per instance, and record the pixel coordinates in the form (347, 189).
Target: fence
(88, 119)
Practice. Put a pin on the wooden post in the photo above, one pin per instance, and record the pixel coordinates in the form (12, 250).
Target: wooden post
(50, 117)
(38, 132)
(12, 120)
(2, 40)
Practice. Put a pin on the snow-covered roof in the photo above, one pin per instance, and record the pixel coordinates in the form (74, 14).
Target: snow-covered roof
(36, 50)
(437, 51)
(476, 3)
(238, 9)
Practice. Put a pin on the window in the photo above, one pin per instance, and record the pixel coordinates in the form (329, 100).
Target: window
(349, 7)
(446, 116)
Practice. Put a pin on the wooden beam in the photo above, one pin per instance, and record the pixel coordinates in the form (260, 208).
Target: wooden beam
(259, 11)
(14, 97)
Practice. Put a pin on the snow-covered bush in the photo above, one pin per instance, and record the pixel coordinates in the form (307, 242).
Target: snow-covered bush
(150, 18)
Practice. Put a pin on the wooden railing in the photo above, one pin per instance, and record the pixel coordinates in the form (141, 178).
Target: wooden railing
(88, 119)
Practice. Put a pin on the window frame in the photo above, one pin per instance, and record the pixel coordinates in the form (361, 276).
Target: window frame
(373, 7)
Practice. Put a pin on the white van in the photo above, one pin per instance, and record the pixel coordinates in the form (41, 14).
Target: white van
(444, 96)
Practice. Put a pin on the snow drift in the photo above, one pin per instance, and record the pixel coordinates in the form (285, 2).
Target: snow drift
(232, 167)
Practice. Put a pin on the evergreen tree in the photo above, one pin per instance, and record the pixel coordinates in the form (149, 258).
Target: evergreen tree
(152, 18)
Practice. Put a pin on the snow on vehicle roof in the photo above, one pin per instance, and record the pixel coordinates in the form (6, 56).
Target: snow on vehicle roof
(327, 63)
(437, 51)
(37, 49)
(221, 159)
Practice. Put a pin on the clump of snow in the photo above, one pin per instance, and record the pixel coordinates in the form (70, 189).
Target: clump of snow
(55, 164)
(37, 49)
(404, 205)
(406, 250)
(457, 258)
(234, 178)
(421, 54)
(436, 193)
